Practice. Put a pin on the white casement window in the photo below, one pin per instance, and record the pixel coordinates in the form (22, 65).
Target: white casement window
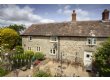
(53, 51)
(29, 48)
(91, 41)
(30, 38)
(38, 49)
(53, 39)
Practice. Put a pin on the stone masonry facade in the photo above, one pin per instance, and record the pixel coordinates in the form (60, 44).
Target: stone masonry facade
(70, 47)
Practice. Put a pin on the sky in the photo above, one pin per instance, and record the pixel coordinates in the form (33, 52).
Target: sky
(28, 14)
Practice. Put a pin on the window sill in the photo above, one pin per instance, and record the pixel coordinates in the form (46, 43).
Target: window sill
(91, 45)
(30, 40)
(53, 41)
(52, 54)
(38, 51)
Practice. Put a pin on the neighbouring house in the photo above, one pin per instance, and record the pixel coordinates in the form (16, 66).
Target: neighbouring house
(75, 40)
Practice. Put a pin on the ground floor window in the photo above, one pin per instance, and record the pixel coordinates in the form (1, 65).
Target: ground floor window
(53, 51)
(38, 49)
(29, 48)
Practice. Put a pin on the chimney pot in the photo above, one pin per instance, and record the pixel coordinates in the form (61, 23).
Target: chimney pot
(105, 15)
(74, 16)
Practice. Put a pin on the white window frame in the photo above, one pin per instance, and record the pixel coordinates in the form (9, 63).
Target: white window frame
(30, 38)
(52, 39)
(93, 41)
(29, 48)
(38, 49)
(53, 51)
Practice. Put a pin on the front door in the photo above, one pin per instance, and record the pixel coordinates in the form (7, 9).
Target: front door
(88, 60)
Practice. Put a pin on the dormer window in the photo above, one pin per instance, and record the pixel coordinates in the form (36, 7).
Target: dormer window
(91, 41)
(53, 39)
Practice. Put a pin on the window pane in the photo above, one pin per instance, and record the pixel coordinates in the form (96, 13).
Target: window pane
(30, 38)
(53, 38)
(53, 51)
(87, 55)
(94, 41)
(89, 41)
(39, 48)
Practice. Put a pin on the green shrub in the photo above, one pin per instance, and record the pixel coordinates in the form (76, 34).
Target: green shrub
(39, 55)
(42, 74)
(19, 50)
(2, 72)
(23, 59)
(30, 53)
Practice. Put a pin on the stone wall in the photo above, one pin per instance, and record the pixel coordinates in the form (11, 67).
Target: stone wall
(70, 47)
(42, 42)
(73, 47)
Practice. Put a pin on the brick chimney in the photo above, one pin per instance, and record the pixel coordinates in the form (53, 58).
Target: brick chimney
(105, 15)
(74, 16)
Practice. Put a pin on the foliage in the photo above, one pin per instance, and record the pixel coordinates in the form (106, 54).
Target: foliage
(41, 73)
(2, 72)
(8, 37)
(39, 55)
(18, 29)
(20, 60)
(102, 59)
(19, 50)
(31, 53)
(0, 35)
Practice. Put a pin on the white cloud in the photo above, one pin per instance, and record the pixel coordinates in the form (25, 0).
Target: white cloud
(67, 7)
(59, 11)
(82, 14)
(67, 11)
(46, 21)
(13, 14)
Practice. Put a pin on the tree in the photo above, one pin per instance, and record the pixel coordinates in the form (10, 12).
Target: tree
(0, 35)
(102, 59)
(8, 37)
(18, 29)
(2, 72)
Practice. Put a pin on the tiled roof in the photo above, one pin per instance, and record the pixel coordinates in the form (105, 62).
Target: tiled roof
(79, 28)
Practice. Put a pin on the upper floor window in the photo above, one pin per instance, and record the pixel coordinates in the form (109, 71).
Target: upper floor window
(30, 38)
(91, 41)
(54, 39)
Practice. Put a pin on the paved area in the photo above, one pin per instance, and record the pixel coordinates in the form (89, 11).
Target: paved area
(67, 70)
(21, 73)
(54, 68)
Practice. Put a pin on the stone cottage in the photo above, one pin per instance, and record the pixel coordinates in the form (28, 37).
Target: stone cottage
(74, 40)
